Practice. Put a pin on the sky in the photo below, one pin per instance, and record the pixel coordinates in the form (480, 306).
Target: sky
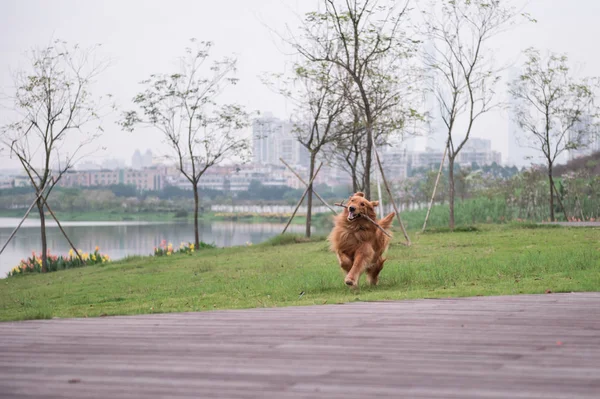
(145, 37)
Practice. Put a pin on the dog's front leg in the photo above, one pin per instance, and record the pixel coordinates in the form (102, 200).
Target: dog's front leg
(363, 255)
(345, 261)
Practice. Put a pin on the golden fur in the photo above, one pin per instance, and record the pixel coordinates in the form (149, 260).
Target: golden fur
(358, 243)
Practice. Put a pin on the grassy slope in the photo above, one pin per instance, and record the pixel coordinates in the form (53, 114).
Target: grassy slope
(498, 260)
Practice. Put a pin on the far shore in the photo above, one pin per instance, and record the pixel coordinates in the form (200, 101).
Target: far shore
(116, 216)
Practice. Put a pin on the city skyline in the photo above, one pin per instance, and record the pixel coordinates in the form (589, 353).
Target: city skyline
(116, 26)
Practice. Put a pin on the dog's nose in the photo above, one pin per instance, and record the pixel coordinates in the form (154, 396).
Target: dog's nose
(351, 208)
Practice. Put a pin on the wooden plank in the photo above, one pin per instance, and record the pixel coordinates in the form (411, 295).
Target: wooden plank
(533, 346)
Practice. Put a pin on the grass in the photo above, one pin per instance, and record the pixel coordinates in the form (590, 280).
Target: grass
(489, 260)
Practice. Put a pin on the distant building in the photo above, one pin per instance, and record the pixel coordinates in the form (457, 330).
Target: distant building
(111, 163)
(437, 133)
(272, 139)
(6, 182)
(331, 175)
(469, 157)
(478, 151)
(590, 142)
(147, 179)
(147, 159)
(136, 160)
(238, 177)
(86, 165)
(139, 161)
(22, 181)
(398, 162)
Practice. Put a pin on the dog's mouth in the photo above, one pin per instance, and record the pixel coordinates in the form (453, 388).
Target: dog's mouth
(352, 215)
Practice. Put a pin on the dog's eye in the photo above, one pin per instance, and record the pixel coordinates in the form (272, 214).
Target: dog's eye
(362, 203)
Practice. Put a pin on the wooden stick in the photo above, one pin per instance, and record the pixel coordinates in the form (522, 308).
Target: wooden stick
(387, 188)
(437, 180)
(301, 199)
(368, 218)
(302, 180)
(24, 217)
(379, 195)
(62, 230)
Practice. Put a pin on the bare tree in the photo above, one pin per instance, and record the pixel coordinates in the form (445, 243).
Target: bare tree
(364, 39)
(55, 117)
(555, 109)
(348, 150)
(314, 89)
(461, 70)
(182, 106)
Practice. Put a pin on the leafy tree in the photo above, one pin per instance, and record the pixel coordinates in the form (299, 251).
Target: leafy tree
(123, 190)
(555, 110)
(258, 191)
(364, 40)
(461, 71)
(55, 109)
(182, 106)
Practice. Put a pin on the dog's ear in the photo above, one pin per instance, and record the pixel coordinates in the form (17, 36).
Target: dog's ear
(374, 203)
(360, 194)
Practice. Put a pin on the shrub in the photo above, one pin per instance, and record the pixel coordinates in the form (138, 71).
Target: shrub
(33, 264)
(165, 249)
(182, 213)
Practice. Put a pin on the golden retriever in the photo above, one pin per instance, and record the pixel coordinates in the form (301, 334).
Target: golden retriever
(358, 243)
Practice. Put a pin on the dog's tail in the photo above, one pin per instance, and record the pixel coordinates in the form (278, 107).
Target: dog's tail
(386, 222)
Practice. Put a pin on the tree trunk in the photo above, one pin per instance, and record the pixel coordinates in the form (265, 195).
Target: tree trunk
(310, 194)
(451, 191)
(368, 158)
(40, 206)
(551, 181)
(354, 182)
(196, 202)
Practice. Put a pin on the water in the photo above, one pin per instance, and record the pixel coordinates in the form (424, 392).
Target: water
(121, 239)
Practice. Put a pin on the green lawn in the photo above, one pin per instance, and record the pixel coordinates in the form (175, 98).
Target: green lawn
(496, 260)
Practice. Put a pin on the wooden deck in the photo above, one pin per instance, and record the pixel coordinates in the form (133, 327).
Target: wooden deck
(545, 346)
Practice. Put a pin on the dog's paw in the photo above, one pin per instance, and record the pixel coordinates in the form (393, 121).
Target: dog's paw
(350, 281)
(372, 280)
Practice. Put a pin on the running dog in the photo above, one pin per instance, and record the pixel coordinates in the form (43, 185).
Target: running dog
(357, 242)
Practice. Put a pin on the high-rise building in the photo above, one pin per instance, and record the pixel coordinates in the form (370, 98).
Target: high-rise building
(147, 159)
(136, 160)
(139, 161)
(273, 139)
(436, 131)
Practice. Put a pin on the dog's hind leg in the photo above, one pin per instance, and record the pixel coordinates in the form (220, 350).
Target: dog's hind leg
(373, 271)
(363, 255)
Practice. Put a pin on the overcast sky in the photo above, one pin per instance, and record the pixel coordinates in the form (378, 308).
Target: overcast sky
(145, 37)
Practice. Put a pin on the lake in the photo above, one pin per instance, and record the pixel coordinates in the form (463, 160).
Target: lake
(121, 239)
